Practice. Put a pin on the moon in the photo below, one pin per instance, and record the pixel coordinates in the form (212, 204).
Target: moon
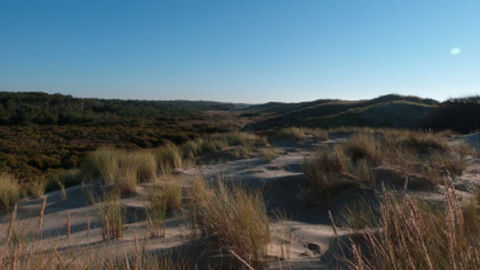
(455, 51)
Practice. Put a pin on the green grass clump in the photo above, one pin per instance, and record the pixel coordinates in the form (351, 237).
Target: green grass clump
(172, 192)
(37, 188)
(9, 191)
(103, 164)
(168, 158)
(235, 220)
(163, 196)
(111, 216)
(121, 168)
(143, 162)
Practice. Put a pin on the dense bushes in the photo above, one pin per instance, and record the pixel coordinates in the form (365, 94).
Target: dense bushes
(458, 114)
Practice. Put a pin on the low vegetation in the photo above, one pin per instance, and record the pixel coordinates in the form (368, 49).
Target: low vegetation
(111, 216)
(299, 134)
(163, 196)
(242, 141)
(269, 153)
(156, 210)
(125, 168)
(9, 191)
(37, 188)
(410, 234)
(421, 155)
(235, 220)
(457, 114)
(168, 157)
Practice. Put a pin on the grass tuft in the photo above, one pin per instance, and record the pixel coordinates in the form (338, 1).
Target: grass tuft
(9, 191)
(111, 216)
(423, 155)
(168, 158)
(411, 234)
(300, 134)
(234, 220)
(37, 188)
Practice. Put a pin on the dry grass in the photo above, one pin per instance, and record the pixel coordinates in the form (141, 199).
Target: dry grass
(66, 179)
(163, 196)
(299, 134)
(120, 168)
(424, 154)
(172, 192)
(168, 158)
(156, 209)
(37, 188)
(269, 154)
(111, 216)
(219, 142)
(9, 191)
(126, 181)
(21, 253)
(103, 164)
(234, 220)
(143, 162)
(333, 170)
(363, 147)
(413, 235)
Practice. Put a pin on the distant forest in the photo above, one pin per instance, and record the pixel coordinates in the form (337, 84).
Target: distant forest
(55, 109)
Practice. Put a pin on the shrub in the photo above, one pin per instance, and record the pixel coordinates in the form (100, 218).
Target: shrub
(9, 191)
(234, 219)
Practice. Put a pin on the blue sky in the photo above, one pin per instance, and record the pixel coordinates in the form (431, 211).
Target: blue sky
(243, 51)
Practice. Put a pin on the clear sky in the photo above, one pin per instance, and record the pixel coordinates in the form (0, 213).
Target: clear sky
(243, 51)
